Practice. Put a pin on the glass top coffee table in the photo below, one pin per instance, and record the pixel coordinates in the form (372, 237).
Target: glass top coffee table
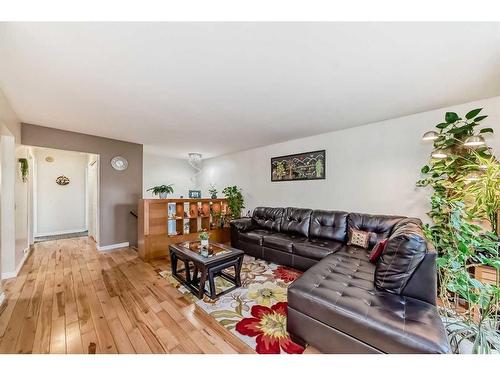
(199, 269)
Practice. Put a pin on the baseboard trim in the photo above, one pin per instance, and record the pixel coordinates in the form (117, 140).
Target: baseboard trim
(58, 233)
(10, 275)
(113, 246)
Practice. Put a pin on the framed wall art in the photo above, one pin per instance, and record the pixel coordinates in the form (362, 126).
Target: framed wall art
(304, 166)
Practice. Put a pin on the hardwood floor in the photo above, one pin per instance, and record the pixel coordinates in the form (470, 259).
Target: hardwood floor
(69, 297)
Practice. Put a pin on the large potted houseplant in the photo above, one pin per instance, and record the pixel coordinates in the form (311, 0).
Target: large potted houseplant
(235, 201)
(464, 177)
(162, 191)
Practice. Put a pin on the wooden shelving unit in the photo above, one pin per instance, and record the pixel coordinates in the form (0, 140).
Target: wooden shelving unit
(166, 221)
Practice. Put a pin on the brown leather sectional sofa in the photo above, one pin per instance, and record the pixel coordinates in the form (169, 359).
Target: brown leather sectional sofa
(343, 303)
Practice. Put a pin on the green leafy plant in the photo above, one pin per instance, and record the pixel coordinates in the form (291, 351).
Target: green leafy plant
(204, 235)
(162, 189)
(213, 191)
(465, 180)
(24, 168)
(235, 201)
(216, 217)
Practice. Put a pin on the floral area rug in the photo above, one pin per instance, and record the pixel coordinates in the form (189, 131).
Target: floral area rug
(257, 312)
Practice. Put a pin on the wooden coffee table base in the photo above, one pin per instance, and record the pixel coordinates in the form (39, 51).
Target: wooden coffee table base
(207, 272)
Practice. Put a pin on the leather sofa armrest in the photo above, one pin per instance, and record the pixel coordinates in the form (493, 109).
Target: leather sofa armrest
(423, 283)
(242, 225)
(404, 251)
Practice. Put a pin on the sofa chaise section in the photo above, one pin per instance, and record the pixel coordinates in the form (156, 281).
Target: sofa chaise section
(343, 303)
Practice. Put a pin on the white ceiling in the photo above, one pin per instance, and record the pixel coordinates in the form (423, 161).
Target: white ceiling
(215, 88)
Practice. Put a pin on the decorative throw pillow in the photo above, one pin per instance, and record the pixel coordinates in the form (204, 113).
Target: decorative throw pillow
(377, 250)
(359, 238)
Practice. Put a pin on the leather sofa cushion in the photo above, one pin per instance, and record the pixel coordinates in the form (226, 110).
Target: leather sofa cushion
(379, 226)
(243, 224)
(280, 241)
(254, 236)
(316, 248)
(403, 252)
(268, 218)
(339, 292)
(330, 225)
(296, 221)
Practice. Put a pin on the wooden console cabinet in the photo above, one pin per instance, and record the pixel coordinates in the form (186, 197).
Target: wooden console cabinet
(166, 221)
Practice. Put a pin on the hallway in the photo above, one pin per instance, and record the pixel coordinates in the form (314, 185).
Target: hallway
(68, 296)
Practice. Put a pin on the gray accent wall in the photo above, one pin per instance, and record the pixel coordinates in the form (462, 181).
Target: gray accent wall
(119, 191)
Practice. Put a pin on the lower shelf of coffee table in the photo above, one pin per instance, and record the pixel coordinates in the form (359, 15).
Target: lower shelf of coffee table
(192, 276)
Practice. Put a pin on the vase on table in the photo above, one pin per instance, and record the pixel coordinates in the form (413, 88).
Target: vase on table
(204, 248)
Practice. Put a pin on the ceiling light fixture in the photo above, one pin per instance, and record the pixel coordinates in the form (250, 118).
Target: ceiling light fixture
(194, 157)
(194, 160)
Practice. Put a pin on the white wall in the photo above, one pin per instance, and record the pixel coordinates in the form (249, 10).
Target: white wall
(31, 189)
(21, 205)
(371, 168)
(160, 170)
(93, 196)
(7, 206)
(60, 209)
(13, 214)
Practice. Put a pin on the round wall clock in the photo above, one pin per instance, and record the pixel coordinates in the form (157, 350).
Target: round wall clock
(119, 163)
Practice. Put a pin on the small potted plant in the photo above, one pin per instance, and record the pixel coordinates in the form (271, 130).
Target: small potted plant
(213, 191)
(204, 236)
(162, 190)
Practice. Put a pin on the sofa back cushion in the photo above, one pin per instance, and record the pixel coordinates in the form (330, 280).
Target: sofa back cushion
(404, 251)
(330, 225)
(379, 226)
(268, 217)
(296, 221)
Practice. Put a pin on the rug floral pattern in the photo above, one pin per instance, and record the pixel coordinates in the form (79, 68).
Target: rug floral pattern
(256, 313)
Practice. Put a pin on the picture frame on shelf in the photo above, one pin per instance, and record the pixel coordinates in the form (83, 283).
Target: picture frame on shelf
(195, 194)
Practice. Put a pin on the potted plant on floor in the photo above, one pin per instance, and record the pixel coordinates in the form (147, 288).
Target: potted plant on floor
(162, 190)
(465, 179)
(235, 201)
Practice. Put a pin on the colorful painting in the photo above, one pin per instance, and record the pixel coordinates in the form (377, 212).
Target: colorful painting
(305, 166)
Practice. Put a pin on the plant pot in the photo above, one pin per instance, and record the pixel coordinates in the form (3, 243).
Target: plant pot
(163, 195)
(204, 248)
(487, 275)
(213, 196)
